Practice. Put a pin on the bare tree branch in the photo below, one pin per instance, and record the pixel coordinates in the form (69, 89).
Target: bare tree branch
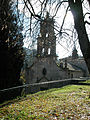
(58, 6)
(64, 20)
(86, 22)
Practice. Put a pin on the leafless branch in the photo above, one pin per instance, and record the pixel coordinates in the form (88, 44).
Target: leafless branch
(58, 6)
(64, 20)
(86, 22)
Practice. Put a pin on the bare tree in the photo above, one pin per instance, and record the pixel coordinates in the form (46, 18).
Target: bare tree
(37, 9)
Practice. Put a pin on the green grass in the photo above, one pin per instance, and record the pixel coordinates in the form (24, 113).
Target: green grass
(66, 103)
(87, 81)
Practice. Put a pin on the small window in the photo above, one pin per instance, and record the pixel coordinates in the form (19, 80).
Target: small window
(44, 71)
(71, 75)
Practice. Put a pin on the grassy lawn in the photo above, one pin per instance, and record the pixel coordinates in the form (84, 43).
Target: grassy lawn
(71, 102)
(87, 81)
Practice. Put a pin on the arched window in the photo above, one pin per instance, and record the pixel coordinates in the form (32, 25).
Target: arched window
(44, 71)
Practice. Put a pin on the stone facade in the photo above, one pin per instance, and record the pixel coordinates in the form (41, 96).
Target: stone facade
(45, 69)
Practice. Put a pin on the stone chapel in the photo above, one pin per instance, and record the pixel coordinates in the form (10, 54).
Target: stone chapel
(44, 67)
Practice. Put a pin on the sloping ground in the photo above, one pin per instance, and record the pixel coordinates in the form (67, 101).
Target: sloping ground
(67, 103)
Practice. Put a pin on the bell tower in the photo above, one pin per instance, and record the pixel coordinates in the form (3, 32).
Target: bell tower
(46, 41)
(74, 53)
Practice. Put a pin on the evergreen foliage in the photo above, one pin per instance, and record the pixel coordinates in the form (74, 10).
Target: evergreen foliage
(11, 45)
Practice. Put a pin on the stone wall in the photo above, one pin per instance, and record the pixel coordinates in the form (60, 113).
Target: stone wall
(33, 88)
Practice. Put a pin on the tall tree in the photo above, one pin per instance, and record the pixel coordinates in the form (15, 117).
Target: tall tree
(11, 42)
(77, 11)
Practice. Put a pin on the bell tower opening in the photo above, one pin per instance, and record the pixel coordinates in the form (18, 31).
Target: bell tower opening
(43, 50)
(49, 50)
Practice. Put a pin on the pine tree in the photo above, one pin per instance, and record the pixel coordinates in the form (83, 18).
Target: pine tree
(11, 46)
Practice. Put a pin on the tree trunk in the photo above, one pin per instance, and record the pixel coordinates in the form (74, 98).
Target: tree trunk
(76, 9)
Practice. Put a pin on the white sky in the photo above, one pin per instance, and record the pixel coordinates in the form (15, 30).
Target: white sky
(63, 48)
